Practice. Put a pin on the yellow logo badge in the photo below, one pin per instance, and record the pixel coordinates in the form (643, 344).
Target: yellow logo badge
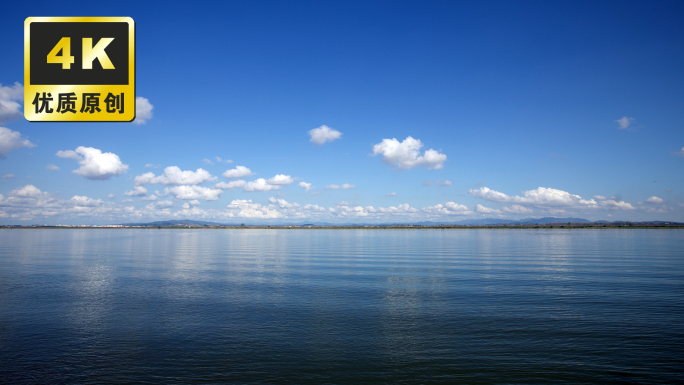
(79, 69)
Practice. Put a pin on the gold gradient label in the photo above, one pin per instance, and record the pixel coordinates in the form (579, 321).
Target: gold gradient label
(79, 69)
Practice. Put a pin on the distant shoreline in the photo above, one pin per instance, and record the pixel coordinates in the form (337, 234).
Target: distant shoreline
(370, 227)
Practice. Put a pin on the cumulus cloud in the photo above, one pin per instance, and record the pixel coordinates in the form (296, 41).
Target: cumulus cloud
(175, 176)
(52, 167)
(138, 191)
(246, 209)
(150, 198)
(280, 179)
(448, 208)
(311, 207)
(10, 109)
(10, 140)
(143, 110)
(655, 200)
(324, 134)
(190, 204)
(624, 122)
(164, 204)
(231, 185)
(28, 202)
(283, 203)
(95, 164)
(517, 209)
(406, 154)
(678, 153)
(547, 198)
(338, 187)
(194, 192)
(351, 210)
(27, 191)
(237, 172)
(260, 185)
(111, 196)
(306, 186)
(486, 210)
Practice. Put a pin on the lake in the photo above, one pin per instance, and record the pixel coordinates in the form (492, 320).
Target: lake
(341, 306)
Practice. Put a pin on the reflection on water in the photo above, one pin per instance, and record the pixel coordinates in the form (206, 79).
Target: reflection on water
(340, 306)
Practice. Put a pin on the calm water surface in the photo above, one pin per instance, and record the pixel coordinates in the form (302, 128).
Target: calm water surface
(341, 306)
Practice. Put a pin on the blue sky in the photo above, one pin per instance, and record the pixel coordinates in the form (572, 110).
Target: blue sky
(445, 111)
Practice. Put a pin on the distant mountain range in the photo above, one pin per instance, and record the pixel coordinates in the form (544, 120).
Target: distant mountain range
(465, 222)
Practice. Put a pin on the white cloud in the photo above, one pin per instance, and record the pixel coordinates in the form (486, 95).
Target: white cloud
(311, 207)
(490, 195)
(10, 140)
(8, 176)
(324, 134)
(407, 155)
(486, 210)
(237, 172)
(246, 209)
(306, 186)
(95, 164)
(52, 167)
(613, 204)
(282, 203)
(338, 187)
(599, 197)
(446, 183)
(83, 201)
(449, 208)
(217, 159)
(231, 185)
(28, 191)
(194, 192)
(260, 185)
(164, 204)
(280, 179)
(391, 194)
(150, 165)
(517, 209)
(680, 152)
(174, 176)
(28, 202)
(548, 198)
(655, 200)
(150, 198)
(192, 203)
(138, 191)
(111, 196)
(9, 108)
(143, 110)
(624, 122)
